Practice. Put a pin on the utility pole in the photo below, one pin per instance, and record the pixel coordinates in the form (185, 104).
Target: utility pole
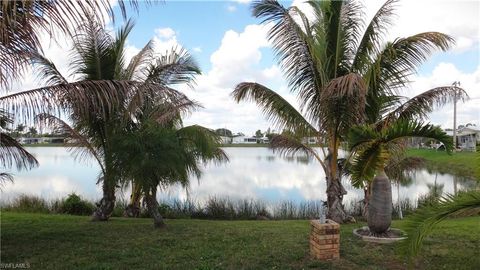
(455, 84)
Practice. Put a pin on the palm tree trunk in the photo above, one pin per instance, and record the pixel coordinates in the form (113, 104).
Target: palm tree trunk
(106, 204)
(335, 192)
(152, 206)
(380, 205)
(335, 189)
(133, 208)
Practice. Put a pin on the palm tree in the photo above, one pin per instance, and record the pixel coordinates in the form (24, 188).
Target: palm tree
(340, 72)
(156, 152)
(99, 57)
(424, 220)
(372, 149)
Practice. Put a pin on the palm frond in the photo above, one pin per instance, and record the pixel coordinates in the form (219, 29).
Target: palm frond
(371, 41)
(419, 106)
(381, 149)
(5, 177)
(290, 145)
(406, 129)
(12, 154)
(46, 70)
(78, 144)
(88, 98)
(141, 58)
(22, 21)
(93, 51)
(367, 162)
(423, 221)
(352, 24)
(203, 142)
(394, 65)
(26, 104)
(293, 48)
(274, 107)
(343, 103)
(165, 114)
(118, 53)
(176, 66)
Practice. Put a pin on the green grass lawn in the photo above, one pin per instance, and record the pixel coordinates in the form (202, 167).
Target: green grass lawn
(459, 163)
(72, 242)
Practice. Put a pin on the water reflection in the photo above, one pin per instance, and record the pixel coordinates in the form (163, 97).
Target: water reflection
(255, 173)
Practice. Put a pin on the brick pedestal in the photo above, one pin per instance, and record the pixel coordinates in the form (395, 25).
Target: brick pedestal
(325, 240)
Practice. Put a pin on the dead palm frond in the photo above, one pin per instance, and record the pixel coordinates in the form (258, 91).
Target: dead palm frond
(23, 21)
(12, 154)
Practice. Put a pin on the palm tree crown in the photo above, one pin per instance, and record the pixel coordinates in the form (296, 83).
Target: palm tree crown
(342, 73)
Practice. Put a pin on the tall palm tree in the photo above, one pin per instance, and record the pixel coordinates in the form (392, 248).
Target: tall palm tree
(21, 24)
(339, 70)
(372, 149)
(98, 58)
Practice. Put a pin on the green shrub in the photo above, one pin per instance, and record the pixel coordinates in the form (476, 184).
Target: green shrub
(28, 203)
(75, 205)
(119, 208)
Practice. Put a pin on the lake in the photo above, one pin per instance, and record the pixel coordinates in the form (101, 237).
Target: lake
(253, 173)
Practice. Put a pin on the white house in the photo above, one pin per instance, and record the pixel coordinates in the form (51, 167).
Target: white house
(243, 139)
(467, 137)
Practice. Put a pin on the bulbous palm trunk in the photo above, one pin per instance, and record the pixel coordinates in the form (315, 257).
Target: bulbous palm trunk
(152, 206)
(106, 204)
(380, 205)
(335, 193)
(133, 208)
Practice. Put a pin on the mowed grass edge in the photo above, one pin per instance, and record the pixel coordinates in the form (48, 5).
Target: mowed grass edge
(62, 241)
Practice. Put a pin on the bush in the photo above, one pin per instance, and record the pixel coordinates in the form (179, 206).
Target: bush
(28, 203)
(119, 209)
(74, 205)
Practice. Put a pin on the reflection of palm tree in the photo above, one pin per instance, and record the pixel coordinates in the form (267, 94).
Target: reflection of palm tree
(435, 190)
(330, 62)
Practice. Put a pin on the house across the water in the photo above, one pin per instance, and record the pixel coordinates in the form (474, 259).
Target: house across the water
(467, 138)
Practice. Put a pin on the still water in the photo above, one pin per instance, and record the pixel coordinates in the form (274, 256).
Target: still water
(253, 173)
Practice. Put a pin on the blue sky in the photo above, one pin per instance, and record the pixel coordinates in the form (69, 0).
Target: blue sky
(231, 47)
(198, 24)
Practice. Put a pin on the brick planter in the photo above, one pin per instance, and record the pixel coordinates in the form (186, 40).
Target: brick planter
(325, 240)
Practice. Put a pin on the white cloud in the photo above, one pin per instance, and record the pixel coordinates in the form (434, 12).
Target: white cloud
(242, 1)
(236, 60)
(197, 49)
(165, 33)
(231, 8)
(445, 74)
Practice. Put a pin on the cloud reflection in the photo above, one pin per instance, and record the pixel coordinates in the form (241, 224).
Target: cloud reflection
(254, 173)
